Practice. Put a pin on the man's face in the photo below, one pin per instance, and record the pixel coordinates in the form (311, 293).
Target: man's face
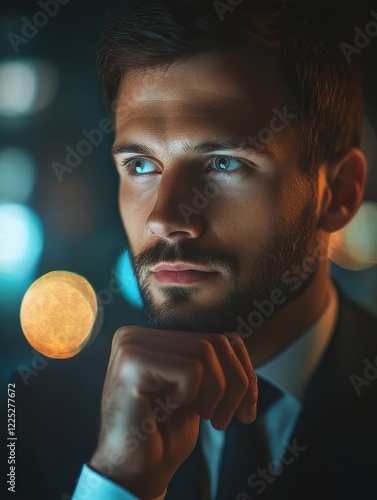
(215, 125)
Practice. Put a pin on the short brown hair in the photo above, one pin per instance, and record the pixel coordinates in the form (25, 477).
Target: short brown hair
(321, 88)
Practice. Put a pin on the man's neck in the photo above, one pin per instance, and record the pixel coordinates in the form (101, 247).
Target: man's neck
(291, 321)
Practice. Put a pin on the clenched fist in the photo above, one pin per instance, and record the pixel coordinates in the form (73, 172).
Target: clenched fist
(158, 385)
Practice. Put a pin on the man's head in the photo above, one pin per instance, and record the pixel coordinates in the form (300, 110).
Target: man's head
(235, 145)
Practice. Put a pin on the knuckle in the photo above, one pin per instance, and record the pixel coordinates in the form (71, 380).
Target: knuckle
(206, 349)
(129, 364)
(129, 329)
(115, 344)
(197, 367)
(234, 338)
(196, 372)
(243, 382)
(254, 389)
(220, 385)
(221, 341)
(123, 333)
(254, 379)
(117, 335)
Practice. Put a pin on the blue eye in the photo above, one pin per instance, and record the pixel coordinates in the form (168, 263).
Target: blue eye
(226, 163)
(139, 166)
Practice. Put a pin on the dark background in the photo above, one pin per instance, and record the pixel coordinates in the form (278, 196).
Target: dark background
(79, 216)
(81, 226)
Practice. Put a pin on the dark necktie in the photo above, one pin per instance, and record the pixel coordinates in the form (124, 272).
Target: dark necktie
(246, 450)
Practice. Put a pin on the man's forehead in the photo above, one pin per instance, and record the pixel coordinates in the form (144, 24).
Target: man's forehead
(206, 98)
(218, 81)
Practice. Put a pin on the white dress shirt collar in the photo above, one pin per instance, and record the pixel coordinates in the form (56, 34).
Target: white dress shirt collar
(292, 369)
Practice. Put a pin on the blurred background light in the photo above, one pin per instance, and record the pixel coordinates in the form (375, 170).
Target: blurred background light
(355, 246)
(21, 242)
(60, 314)
(17, 175)
(127, 281)
(26, 87)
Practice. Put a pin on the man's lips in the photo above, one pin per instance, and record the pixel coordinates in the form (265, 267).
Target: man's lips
(182, 274)
(165, 266)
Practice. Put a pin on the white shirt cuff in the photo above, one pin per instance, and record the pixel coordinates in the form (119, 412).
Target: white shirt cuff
(93, 486)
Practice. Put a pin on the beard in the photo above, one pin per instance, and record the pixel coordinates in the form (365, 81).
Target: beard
(290, 246)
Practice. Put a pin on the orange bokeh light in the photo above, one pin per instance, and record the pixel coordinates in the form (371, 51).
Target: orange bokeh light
(60, 314)
(355, 246)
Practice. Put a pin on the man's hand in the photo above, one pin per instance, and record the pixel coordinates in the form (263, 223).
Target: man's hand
(158, 384)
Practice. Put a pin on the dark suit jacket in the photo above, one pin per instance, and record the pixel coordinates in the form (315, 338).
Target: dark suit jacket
(58, 422)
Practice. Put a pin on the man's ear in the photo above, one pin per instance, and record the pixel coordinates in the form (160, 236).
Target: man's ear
(344, 190)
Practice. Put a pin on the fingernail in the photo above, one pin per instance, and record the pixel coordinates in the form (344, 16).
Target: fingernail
(252, 412)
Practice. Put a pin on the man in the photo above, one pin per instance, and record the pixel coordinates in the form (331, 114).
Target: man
(257, 119)
(237, 147)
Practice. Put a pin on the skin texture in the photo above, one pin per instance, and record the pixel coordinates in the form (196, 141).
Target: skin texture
(265, 219)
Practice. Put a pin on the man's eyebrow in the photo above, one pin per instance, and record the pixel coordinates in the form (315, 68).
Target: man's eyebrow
(209, 147)
(131, 148)
(189, 148)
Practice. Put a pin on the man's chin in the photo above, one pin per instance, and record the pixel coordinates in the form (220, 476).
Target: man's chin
(205, 321)
(218, 318)
(178, 324)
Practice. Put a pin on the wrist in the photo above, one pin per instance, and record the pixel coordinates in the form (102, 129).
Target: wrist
(142, 486)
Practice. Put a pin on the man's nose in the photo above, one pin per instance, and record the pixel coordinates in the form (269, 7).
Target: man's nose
(173, 215)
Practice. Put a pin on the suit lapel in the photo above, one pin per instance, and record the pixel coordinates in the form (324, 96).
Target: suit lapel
(335, 423)
(331, 454)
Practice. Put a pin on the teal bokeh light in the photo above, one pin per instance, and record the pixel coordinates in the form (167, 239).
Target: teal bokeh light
(26, 87)
(17, 175)
(127, 281)
(21, 243)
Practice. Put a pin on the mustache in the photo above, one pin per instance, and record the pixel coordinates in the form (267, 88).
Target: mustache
(183, 250)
